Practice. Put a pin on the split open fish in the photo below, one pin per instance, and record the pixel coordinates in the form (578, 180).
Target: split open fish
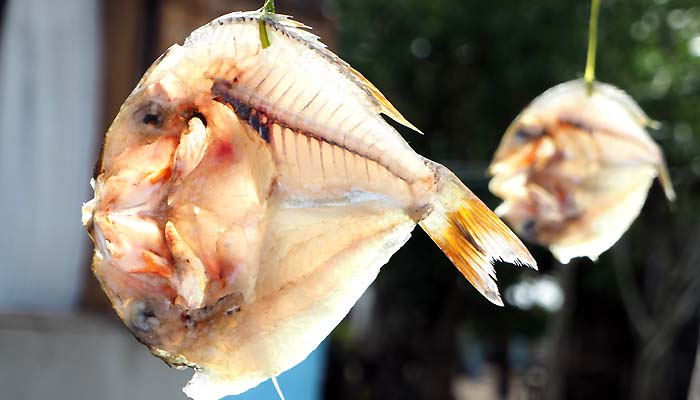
(247, 196)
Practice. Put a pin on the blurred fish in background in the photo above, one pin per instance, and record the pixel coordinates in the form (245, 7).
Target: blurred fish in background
(574, 169)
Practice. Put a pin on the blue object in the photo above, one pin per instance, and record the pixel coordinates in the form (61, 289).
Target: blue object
(303, 382)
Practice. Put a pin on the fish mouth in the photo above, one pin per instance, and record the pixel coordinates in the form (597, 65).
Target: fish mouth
(87, 214)
(149, 287)
(155, 280)
(166, 327)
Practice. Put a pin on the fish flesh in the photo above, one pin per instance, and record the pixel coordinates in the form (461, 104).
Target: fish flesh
(247, 196)
(574, 169)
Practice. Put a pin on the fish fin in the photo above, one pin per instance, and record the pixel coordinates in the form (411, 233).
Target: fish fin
(665, 179)
(380, 101)
(300, 31)
(384, 106)
(191, 274)
(472, 236)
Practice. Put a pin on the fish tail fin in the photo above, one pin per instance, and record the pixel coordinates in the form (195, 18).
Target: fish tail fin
(471, 235)
(666, 184)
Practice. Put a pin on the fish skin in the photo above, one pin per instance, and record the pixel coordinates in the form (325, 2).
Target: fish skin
(247, 197)
(574, 170)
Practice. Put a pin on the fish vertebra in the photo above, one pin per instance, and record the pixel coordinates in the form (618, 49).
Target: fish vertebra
(574, 169)
(247, 197)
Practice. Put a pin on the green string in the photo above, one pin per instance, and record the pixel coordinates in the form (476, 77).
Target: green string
(589, 76)
(267, 8)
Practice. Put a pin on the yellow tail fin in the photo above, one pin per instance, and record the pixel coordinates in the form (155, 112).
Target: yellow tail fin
(471, 235)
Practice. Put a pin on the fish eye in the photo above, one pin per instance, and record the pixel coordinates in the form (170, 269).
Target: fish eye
(152, 119)
(528, 228)
(152, 114)
(527, 133)
(143, 317)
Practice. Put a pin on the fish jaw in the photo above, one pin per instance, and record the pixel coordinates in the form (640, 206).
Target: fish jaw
(170, 163)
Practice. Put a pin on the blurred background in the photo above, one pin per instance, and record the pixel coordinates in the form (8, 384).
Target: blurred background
(623, 327)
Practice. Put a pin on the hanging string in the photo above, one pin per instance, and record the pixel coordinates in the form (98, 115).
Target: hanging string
(267, 8)
(277, 387)
(589, 75)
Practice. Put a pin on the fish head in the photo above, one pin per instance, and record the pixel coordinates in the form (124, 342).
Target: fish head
(125, 218)
(169, 242)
